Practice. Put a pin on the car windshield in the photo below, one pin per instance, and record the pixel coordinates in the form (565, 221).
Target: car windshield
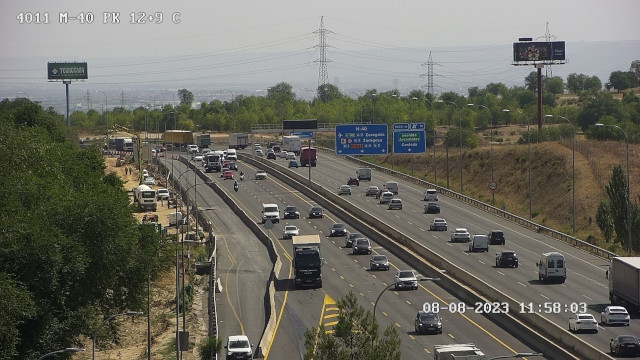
(585, 317)
(617, 311)
(290, 227)
(238, 344)
(405, 274)
(362, 242)
(379, 258)
(310, 259)
(290, 208)
(316, 208)
(428, 317)
(337, 226)
(438, 220)
(626, 339)
(508, 253)
(270, 209)
(354, 235)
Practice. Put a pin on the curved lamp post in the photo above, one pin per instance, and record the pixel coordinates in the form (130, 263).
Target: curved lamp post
(626, 139)
(493, 198)
(106, 116)
(460, 124)
(573, 171)
(63, 351)
(93, 338)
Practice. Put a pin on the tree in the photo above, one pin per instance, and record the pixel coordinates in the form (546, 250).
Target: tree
(186, 97)
(209, 347)
(352, 337)
(617, 192)
(554, 85)
(531, 81)
(604, 220)
(622, 80)
(635, 68)
(328, 92)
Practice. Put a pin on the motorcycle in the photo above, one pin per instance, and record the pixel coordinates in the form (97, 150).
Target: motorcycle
(241, 177)
(235, 186)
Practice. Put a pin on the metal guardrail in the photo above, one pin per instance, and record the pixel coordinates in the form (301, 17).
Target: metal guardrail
(580, 244)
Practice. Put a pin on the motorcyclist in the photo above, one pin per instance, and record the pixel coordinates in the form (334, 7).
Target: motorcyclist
(241, 176)
(235, 185)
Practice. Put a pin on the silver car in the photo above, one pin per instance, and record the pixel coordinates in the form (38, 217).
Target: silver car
(379, 262)
(344, 190)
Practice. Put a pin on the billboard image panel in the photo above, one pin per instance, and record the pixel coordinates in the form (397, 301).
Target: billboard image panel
(538, 51)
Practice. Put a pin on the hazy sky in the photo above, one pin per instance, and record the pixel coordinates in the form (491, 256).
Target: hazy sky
(206, 32)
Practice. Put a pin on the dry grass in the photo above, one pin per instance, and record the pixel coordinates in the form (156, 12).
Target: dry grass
(551, 177)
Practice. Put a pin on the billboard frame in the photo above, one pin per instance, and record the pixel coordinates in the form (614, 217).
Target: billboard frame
(539, 53)
(72, 71)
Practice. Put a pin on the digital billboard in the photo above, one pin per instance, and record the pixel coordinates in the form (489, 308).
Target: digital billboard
(538, 51)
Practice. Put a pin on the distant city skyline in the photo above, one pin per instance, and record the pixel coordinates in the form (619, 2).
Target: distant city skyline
(246, 47)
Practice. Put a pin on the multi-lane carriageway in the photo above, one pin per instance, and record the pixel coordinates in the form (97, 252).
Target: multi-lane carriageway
(344, 272)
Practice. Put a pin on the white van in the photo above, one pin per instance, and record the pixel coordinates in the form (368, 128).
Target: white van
(270, 212)
(392, 186)
(231, 155)
(479, 243)
(364, 174)
(174, 218)
(552, 267)
(431, 195)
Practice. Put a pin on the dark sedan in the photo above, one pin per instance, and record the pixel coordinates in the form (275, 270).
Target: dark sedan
(506, 258)
(353, 181)
(432, 208)
(625, 345)
(316, 212)
(338, 229)
(291, 212)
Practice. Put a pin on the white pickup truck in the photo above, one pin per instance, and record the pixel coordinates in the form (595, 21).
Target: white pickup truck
(460, 235)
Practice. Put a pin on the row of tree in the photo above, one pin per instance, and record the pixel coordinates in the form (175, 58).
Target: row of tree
(71, 252)
(590, 105)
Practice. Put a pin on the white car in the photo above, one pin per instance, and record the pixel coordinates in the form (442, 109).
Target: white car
(438, 224)
(344, 190)
(198, 157)
(239, 347)
(283, 154)
(406, 279)
(261, 174)
(259, 153)
(460, 235)
(291, 156)
(149, 181)
(386, 197)
(163, 194)
(583, 322)
(395, 204)
(614, 315)
(290, 231)
(192, 149)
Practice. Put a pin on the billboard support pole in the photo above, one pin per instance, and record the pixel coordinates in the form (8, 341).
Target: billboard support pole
(66, 85)
(539, 67)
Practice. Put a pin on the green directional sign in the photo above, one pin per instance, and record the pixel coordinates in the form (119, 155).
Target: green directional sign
(67, 71)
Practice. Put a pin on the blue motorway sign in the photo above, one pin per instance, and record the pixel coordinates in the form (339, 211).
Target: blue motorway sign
(302, 134)
(361, 139)
(409, 142)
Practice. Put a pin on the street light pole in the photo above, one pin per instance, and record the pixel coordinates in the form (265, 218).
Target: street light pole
(626, 139)
(493, 198)
(573, 170)
(460, 129)
(105, 116)
(516, 355)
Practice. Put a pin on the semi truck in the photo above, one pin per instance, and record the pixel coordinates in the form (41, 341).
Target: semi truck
(457, 352)
(238, 141)
(308, 156)
(307, 262)
(291, 143)
(146, 198)
(178, 137)
(624, 282)
(203, 140)
(123, 144)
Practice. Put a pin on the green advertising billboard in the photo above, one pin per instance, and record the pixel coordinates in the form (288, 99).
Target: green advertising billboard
(67, 71)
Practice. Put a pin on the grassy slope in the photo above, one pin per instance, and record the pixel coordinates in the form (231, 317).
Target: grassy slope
(551, 177)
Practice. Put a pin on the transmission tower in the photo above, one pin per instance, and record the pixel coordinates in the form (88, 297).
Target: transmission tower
(323, 76)
(547, 37)
(429, 74)
(88, 98)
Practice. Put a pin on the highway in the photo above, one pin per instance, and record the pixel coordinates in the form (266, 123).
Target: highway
(586, 285)
(301, 309)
